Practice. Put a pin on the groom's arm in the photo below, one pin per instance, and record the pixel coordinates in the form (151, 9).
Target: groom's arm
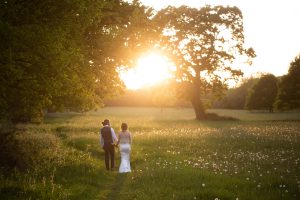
(101, 140)
(113, 134)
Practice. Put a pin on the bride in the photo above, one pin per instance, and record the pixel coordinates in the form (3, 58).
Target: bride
(125, 148)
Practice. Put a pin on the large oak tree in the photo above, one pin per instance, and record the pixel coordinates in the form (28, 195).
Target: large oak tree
(203, 43)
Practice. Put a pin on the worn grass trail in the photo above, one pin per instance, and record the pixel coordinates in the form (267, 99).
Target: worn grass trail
(173, 157)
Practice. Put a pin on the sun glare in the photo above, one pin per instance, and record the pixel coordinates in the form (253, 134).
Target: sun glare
(150, 69)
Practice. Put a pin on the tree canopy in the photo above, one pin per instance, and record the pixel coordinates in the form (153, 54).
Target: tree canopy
(263, 94)
(62, 54)
(289, 88)
(203, 43)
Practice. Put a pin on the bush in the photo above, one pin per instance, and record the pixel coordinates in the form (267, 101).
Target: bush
(23, 150)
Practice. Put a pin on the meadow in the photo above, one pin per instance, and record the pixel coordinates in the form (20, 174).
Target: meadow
(173, 157)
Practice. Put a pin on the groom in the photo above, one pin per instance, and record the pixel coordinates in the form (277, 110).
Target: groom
(107, 139)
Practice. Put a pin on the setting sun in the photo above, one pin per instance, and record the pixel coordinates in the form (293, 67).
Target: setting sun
(150, 69)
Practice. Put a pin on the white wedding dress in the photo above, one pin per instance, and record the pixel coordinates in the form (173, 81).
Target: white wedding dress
(125, 149)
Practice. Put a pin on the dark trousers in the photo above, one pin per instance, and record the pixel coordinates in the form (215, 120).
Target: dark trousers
(109, 151)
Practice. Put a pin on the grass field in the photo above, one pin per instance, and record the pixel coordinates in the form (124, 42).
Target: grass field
(173, 157)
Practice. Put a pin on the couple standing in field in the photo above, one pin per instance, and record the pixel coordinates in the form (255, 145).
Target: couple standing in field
(109, 141)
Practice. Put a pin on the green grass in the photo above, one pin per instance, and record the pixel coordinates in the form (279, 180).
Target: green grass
(173, 157)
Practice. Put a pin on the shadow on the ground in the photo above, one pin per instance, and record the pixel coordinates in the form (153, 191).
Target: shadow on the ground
(116, 188)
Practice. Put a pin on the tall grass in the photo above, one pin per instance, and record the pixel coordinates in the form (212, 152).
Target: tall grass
(173, 157)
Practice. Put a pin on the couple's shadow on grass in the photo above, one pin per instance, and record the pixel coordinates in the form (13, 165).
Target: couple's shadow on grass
(116, 187)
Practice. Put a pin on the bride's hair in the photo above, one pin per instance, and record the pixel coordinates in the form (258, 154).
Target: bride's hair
(124, 127)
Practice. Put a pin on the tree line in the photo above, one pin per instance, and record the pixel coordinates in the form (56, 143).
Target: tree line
(266, 92)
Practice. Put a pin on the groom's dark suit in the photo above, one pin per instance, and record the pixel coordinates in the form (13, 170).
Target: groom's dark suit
(107, 140)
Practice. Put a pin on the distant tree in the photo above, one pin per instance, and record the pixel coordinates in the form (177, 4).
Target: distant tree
(163, 95)
(63, 54)
(139, 98)
(235, 98)
(289, 88)
(203, 43)
(263, 94)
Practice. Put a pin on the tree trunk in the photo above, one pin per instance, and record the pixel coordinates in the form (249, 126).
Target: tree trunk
(198, 108)
(196, 98)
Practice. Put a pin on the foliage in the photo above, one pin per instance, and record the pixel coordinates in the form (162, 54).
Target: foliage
(203, 43)
(63, 54)
(289, 88)
(26, 151)
(263, 94)
(188, 158)
(235, 98)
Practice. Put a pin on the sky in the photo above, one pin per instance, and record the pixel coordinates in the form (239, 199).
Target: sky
(272, 29)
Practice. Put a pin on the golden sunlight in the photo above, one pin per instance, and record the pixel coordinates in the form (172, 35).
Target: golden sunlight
(150, 69)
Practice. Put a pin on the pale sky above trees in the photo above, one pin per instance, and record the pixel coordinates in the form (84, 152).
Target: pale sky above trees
(271, 28)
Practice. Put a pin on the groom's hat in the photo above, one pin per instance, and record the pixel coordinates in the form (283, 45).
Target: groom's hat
(105, 122)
